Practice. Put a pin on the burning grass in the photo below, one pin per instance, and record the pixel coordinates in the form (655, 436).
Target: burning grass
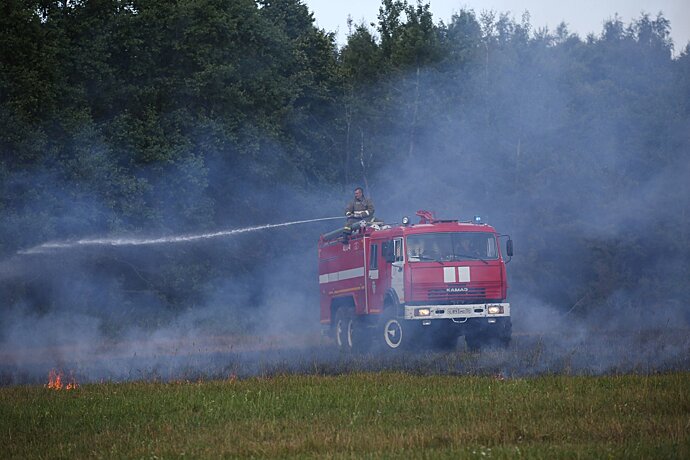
(57, 381)
(362, 414)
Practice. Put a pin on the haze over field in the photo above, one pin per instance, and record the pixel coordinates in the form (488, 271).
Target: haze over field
(121, 126)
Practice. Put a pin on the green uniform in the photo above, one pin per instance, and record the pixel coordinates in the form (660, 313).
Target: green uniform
(358, 210)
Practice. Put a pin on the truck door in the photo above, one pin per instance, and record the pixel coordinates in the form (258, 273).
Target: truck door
(376, 276)
(397, 269)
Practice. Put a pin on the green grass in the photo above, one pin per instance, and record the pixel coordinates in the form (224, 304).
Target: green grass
(356, 415)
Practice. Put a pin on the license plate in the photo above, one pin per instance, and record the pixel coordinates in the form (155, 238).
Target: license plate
(457, 311)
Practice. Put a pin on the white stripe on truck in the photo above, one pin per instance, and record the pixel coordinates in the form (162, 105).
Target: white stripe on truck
(341, 275)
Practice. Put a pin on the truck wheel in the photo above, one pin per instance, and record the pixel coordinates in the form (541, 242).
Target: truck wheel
(498, 341)
(343, 329)
(351, 334)
(474, 341)
(444, 342)
(500, 336)
(393, 333)
(393, 330)
(506, 334)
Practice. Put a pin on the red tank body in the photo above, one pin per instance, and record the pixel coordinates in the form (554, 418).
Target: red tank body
(401, 285)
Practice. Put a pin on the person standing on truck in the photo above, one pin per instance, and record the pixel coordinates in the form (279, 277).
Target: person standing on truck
(360, 208)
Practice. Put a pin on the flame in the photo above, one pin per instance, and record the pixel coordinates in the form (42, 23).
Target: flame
(55, 381)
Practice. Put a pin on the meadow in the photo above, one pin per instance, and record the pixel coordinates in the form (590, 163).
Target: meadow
(369, 414)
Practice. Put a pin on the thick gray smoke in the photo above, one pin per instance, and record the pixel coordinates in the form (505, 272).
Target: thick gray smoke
(95, 307)
(589, 215)
(104, 311)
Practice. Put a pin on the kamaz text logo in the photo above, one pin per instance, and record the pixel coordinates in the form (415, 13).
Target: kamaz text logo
(457, 289)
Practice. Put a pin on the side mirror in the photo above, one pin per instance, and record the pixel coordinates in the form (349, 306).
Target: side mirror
(509, 248)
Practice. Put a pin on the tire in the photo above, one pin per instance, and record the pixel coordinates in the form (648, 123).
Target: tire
(444, 341)
(500, 338)
(498, 341)
(474, 341)
(483, 335)
(343, 329)
(351, 335)
(393, 333)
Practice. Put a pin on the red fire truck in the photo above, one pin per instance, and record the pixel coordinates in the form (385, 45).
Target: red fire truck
(404, 285)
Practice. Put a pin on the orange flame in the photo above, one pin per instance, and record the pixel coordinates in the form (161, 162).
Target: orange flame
(55, 381)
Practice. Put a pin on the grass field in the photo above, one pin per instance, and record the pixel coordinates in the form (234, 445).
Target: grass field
(354, 415)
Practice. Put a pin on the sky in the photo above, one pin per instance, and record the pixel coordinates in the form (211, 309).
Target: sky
(582, 17)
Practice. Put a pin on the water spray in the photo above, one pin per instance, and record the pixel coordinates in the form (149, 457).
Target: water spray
(54, 245)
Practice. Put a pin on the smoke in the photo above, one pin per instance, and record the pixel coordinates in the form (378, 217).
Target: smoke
(208, 304)
(589, 214)
(595, 201)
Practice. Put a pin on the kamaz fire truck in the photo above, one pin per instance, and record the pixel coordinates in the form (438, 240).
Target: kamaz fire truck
(405, 285)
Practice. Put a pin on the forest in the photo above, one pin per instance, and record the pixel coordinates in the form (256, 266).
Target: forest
(165, 117)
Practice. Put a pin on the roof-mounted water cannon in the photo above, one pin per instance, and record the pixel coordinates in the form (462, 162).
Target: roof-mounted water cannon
(344, 233)
(425, 217)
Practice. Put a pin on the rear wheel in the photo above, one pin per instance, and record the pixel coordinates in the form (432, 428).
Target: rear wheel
(343, 329)
(351, 333)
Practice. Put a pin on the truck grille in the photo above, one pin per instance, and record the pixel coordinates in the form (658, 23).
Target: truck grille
(452, 293)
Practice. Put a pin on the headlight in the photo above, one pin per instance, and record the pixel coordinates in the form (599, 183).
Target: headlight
(495, 309)
(405, 220)
(422, 312)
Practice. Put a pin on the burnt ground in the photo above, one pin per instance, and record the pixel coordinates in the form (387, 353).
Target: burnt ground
(594, 352)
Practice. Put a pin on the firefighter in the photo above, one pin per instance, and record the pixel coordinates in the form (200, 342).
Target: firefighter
(434, 251)
(360, 208)
(415, 250)
(467, 248)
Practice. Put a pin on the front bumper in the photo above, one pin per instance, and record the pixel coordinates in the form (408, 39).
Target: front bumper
(457, 313)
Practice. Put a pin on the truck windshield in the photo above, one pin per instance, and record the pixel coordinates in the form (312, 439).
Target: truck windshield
(453, 246)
